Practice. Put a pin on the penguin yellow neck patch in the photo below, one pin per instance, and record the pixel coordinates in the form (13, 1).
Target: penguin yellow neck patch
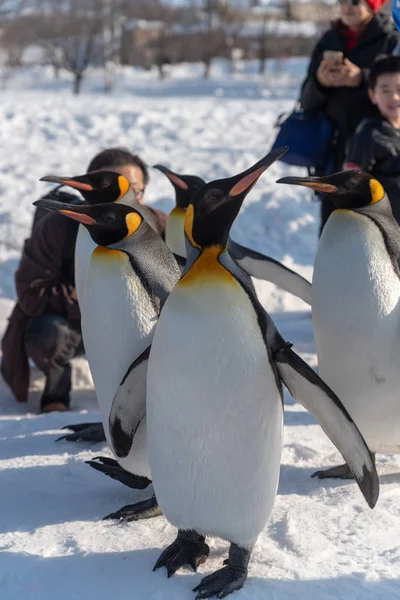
(208, 269)
(189, 226)
(133, 221)
(104, 252)
(377, 191)
(123, 186)
(177, 212)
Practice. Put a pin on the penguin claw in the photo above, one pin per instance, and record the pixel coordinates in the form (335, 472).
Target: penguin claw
(221, 582)
(340, 472)
(188, 549)
(84, 432)
(146, 509)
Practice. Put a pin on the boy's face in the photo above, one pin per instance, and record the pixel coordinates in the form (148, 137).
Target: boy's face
(386, 96)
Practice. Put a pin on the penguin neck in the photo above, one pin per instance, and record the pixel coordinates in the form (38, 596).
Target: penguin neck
(204, 267)
(174, 232)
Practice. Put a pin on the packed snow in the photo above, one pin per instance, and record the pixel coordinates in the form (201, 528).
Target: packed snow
(322, 540)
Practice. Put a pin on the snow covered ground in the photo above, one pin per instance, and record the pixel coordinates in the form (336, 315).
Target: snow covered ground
(322, 540)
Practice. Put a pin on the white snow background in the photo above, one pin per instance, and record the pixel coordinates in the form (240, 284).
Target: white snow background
(322, 541)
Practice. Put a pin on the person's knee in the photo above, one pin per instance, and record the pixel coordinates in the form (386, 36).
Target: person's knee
(47, 339)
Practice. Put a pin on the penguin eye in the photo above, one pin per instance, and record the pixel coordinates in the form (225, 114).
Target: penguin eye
(109, 218)
(105, 183)
(214, 195)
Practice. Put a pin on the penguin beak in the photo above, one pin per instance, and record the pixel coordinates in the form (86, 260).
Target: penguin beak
(70, 181)
(243, 183)
(173, 177)
(77, 213)
(310, 182)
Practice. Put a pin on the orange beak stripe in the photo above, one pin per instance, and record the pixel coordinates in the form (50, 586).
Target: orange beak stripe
(246, 182)
(78, 185)
(177, 180)
(81, 217)
(326, 188)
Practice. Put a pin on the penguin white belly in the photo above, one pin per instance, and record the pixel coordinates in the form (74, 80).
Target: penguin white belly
(118, 320)
(356, 319)
(83, 251)
(174, 232)
(214, 414)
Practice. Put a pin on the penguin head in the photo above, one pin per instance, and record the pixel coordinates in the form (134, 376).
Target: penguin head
(351, 190)
(96, 187)
(215, 206)
(107, 223)
(185, 186)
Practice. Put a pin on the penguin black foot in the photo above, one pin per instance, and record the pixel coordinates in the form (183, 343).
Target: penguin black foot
(84, 432)
(189, 548)
(147, 509)
(228, 579)
(111, 468)
(341, 472)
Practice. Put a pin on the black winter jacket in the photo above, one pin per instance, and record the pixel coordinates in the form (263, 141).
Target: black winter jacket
(375, 148)
(347, 106)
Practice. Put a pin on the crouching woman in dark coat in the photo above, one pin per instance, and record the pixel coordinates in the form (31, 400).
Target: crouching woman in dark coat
(45, 324)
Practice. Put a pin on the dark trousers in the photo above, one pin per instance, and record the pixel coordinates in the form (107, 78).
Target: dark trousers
(51, 342)
(327, 208)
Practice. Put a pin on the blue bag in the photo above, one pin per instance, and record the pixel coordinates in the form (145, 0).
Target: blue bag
(396, 13)
(309, 137)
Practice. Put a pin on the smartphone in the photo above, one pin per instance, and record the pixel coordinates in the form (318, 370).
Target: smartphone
(334, 58)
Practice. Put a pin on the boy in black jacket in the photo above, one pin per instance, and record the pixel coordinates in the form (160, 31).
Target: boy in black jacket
(375, 147)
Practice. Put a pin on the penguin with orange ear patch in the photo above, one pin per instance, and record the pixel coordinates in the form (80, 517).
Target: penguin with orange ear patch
(96, 187)
(356, 306)
(214, 399)
(253, 263)
(130, 273)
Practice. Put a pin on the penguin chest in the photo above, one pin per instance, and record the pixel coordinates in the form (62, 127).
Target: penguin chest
(83, 251)
(356, 318)
(118, 318)
(174, 232)
(214, 413)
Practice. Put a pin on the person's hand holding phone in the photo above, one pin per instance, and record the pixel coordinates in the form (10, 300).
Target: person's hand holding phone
(330, 68)
(349, 75)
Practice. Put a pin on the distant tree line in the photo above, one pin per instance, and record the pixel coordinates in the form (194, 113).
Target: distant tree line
(76, 34)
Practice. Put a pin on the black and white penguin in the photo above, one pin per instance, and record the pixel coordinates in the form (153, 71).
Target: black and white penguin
(356, 306)
(97, 187)
(214, 398)
(253, 263)
(130, 274)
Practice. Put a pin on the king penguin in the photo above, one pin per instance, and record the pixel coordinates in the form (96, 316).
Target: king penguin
(253, 263)
(96, 187)
(214, 399)
(356, 307)
(131, 272)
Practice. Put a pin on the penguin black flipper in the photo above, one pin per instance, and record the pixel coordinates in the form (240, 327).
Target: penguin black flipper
(111, 468)
(316, 397)
(129, 406)
(84, 432)
(268, 269)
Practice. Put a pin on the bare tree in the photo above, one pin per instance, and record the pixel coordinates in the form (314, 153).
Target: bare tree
(222, 24)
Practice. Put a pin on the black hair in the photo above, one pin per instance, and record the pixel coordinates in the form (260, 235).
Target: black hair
(118, 157)
(384, 64)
